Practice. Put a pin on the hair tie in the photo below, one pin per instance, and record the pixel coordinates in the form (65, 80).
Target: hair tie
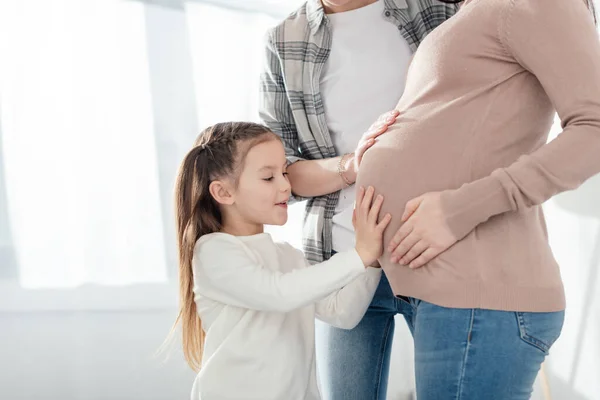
(205, 147)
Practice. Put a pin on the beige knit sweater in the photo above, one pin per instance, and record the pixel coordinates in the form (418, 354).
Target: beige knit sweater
(479, 103)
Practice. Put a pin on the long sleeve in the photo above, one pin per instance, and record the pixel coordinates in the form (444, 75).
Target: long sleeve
(274, 107)
(556, 41)
(226, 271)
(346, 307)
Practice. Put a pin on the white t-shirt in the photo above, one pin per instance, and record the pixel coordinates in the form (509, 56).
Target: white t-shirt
(363, 77)
(258, 301)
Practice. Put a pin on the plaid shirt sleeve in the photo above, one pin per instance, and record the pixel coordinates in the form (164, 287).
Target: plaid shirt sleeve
(274, 107)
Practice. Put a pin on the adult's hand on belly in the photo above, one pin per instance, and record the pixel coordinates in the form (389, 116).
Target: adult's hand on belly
(424, 233)
(369, 138)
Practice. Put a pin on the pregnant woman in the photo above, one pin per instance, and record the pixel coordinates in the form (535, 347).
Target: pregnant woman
(468, 248)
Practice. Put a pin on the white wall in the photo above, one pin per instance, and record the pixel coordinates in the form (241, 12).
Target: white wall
(89, 356)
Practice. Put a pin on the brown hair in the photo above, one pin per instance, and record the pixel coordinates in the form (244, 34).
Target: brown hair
(219, 152)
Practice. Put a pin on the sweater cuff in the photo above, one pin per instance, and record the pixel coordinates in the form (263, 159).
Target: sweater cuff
(474, 203)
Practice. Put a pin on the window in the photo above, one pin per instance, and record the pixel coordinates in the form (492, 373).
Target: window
(99, 101)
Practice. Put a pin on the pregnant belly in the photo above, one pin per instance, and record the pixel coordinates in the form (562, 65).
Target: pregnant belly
(409, 160)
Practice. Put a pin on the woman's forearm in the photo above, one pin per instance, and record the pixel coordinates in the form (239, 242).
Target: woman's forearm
(313, 178)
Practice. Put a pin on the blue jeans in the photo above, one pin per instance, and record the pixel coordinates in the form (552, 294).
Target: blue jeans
(460, 354)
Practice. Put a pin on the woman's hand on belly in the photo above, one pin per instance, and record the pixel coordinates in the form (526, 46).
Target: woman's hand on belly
(369, 138)
(424, 233)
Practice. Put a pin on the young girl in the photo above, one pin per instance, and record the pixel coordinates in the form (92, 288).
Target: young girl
(248, 304)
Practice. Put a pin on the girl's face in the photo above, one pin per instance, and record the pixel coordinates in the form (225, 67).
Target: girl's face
(262, 192)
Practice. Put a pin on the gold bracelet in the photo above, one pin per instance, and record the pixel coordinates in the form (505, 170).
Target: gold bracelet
(340, 171)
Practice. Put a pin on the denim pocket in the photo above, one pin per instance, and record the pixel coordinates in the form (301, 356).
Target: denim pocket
(540, 329)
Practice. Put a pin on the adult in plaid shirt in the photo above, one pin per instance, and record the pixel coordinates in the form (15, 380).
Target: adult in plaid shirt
(331, 68)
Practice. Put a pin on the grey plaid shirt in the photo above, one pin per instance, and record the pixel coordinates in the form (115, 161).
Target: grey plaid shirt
(290, 100)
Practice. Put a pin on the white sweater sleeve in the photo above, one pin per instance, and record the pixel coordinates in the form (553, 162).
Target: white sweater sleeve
(346, 307)
(227, 272)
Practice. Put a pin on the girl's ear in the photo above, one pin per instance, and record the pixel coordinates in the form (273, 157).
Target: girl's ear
(222, 192)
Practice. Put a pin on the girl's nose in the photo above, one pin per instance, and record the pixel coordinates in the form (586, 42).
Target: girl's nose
(286, 186)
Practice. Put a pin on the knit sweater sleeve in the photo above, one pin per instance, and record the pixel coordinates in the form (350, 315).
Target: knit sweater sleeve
(226, 271)
(556, 41)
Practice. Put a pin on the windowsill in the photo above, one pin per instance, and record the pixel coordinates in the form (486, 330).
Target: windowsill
(142, 297)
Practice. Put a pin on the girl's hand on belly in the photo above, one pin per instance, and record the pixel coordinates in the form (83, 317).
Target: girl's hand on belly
(424, 233)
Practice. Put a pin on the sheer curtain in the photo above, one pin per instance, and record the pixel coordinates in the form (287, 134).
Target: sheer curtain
(84, 146)
(79, 157)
